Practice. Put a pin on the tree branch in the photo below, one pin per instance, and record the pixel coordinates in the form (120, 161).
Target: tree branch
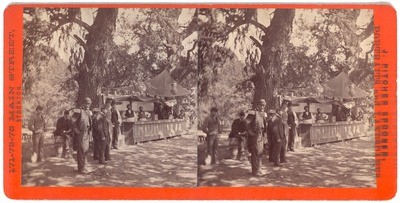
(243, 22)
(259, 25)
(367, 32)
(65, 21)
(366, 73)
(256, 42)
(81, 23)
(192, 27)
(189, 51)
(225, 34)
(80, 42)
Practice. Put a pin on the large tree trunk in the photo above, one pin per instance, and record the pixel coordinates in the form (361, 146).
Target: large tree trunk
(273, 53)
(97, 51)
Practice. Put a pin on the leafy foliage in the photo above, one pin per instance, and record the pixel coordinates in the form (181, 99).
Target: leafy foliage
(295, 48)
(233, 56)
(326, 42)
(46, 87)
(158, 37)
(223, 88)
(93, 54)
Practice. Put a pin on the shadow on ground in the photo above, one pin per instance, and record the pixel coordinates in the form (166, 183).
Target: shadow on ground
(163, 163)
(343, 164)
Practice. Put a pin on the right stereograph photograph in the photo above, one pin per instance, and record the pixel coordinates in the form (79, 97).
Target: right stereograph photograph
(286, 98)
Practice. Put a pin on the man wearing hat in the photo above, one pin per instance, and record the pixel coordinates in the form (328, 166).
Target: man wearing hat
(83, 129)
(37, 125)
(277, 138)
(256, 130)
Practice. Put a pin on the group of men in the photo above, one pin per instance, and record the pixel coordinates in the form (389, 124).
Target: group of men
(84, 125)
(275, 131)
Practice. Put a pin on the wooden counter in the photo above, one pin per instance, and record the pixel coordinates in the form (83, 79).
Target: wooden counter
(141, 131)
(319, 133)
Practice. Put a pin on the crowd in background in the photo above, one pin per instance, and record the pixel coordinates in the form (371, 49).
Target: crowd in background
(97, 127)
(256, 133)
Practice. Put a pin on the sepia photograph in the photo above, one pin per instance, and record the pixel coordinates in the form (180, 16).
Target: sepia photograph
(200, 101)
(109, 97)
(286, 98)
(198, 97)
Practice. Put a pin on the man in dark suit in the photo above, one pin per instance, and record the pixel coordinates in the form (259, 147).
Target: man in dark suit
(64, 129)
(306, 114)
(256, 131)
(277, 136)
(292, 122)
(116, 121)
(102, 136)
(129, 112)
(239, 131)
(341, 114)
(96, 144)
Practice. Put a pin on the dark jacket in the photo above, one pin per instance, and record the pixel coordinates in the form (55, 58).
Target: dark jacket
(292, 118)
(114, 117)
(102, 127)
(307, 115)
(129, 113)
(276, 130)
(64, 125)
(341, 115)
(238, 126)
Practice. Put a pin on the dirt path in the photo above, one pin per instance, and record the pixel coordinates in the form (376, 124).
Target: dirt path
(173, 163)
(163, 163)
(343, 164)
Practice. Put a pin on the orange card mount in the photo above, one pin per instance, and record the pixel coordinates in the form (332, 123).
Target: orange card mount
(27, 70)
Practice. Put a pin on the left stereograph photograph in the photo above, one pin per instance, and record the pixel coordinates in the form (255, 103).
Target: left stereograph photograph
(109, 97)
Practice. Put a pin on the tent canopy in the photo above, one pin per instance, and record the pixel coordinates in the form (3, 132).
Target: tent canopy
(297, 100)
(339, 87)
(162, 85)
(130, 98)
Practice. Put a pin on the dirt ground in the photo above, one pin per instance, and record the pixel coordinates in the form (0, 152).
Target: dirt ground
(163, 163)
(173, 163)
(343, 164)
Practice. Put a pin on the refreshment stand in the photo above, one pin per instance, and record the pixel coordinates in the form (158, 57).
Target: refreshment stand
(332, 93)
(158, 98)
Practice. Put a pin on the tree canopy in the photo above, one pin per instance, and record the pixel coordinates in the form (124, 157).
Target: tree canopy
(233, 56)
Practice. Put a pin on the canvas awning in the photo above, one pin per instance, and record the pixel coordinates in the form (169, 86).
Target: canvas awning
(313, 100)
(297, 100)
(163, 85)
(130, 98)
(338, 87)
